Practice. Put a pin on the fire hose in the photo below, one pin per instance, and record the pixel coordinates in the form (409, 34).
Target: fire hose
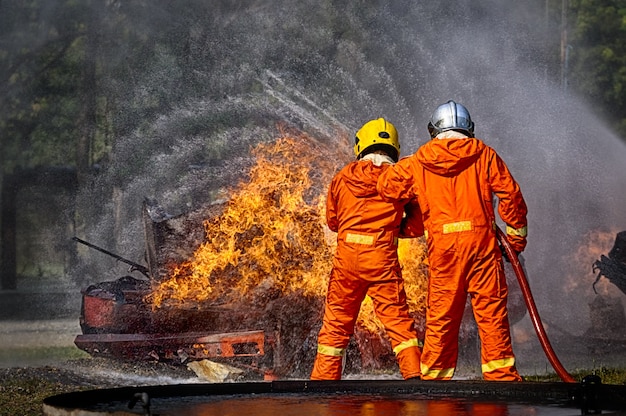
(532, 308)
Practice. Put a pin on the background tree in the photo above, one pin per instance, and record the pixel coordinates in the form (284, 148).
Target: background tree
(598, 57)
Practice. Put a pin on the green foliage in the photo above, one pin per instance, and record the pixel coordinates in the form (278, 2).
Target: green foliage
(39, 60)
(608, 375)
(598, 56)
(48, 97)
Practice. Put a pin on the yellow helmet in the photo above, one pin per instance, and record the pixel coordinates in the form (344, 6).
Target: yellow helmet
(375, 135)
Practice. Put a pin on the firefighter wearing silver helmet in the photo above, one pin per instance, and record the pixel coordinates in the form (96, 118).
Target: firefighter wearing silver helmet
(455, 178)
(451, 116)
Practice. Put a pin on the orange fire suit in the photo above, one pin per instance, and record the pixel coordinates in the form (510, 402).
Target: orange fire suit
(365, 263)
(454, 180)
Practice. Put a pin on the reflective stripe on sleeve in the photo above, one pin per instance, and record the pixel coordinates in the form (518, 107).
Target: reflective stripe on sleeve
(455, 227)
(497, 364)
(405, 344)
(332, 351)
(360, 239)
(520, 232)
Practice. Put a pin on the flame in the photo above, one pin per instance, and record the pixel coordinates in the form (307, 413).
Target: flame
(272, 235)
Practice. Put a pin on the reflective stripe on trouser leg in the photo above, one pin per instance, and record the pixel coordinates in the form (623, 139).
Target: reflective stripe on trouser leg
(328, 363)
(408, 356)
(437, 374)
(501, 370)
(404, 345)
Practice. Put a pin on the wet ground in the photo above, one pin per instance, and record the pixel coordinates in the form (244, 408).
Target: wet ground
(38, 326)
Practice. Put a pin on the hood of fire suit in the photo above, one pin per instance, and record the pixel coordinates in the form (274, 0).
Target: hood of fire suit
(449, 156)
(361, 177)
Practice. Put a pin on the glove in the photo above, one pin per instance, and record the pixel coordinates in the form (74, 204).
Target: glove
(505, 256)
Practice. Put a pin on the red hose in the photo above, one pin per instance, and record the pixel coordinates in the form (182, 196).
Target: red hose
(532, 308)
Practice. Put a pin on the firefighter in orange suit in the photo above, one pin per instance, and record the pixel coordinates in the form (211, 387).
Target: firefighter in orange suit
(366, 260)
(454, 177)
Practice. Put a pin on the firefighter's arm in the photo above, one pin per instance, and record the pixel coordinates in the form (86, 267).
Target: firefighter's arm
(411, 225)
(511, 204)
(396, 182)
(331, 209)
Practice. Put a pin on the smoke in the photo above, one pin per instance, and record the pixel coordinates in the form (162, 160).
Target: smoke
(326, 69)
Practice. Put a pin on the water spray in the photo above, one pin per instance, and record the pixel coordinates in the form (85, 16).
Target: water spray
(532, 308)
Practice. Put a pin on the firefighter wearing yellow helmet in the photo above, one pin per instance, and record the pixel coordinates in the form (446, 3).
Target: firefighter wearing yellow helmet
(366, 260)
(377, 135)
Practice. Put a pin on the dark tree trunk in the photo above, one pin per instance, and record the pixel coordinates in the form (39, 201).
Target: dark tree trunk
(88, 121)
(8, 246)
(12, 184)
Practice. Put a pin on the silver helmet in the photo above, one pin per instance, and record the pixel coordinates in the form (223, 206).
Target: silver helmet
(451, 116)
